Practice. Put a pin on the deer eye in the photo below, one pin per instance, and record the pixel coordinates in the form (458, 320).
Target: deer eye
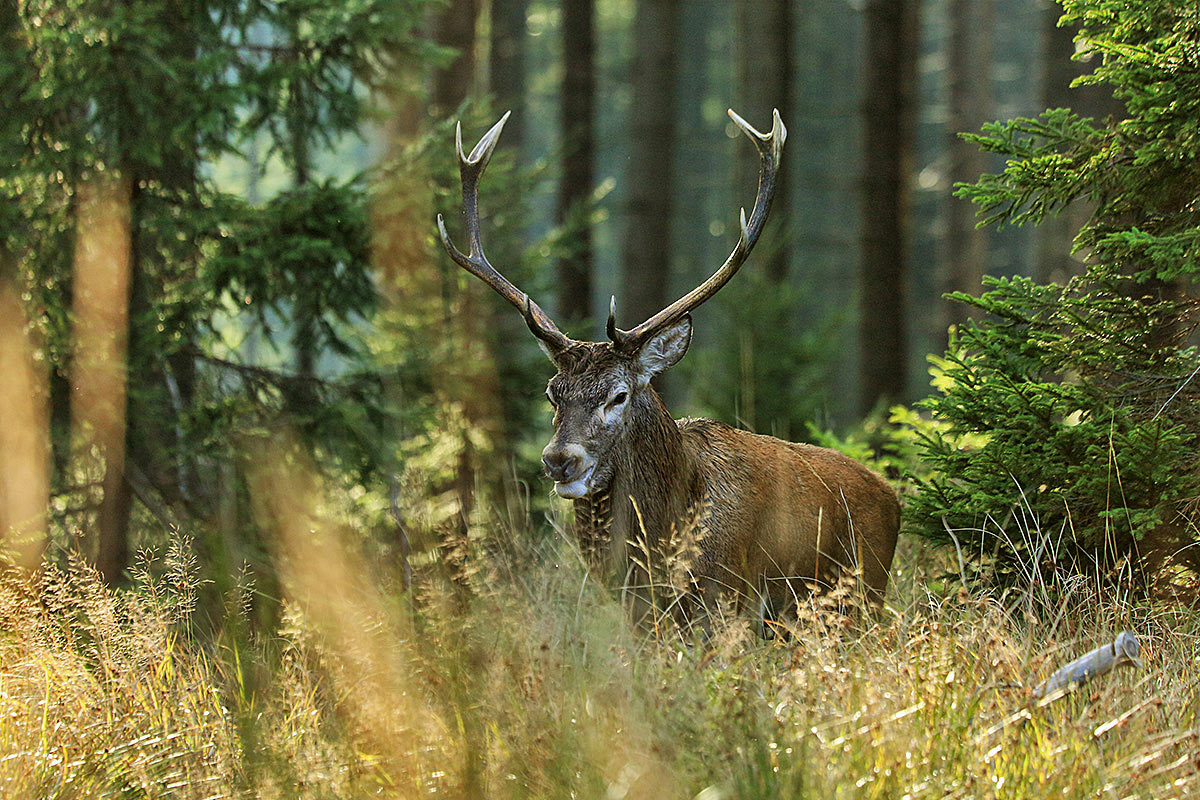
(618, 399)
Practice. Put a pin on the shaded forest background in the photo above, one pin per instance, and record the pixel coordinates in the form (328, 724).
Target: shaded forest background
(220, 230)
(271, 460)
(619, 113)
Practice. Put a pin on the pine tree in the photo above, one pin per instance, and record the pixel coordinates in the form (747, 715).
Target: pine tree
(1066, 429)
(151, 93)
(129, 100)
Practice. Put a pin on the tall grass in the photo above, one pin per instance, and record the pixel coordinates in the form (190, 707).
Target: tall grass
(101, 694)
(535, 686)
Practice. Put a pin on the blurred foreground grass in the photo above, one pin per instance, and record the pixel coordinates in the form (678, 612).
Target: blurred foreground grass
(535, 687)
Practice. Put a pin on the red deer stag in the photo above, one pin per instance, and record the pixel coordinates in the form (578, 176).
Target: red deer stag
(769, 518)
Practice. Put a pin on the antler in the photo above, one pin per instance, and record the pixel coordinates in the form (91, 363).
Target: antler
(471, 168)
(770, 148)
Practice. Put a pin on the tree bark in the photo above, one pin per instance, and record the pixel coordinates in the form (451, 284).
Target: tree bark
(971, 24)
(144, 394)
(304, 320)
(455, 27)
(466, 379)
(400, 257)
(891, 42)
(101, 300)
(765, 71)
(506, 65)
(25, 434)
(579, 140)
(646, 253)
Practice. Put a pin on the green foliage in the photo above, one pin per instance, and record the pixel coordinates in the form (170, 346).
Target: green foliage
(157, 91)
(764, 372)
(1067, 429)
(303, 256)
(296, 274)
(309, 67)
(124, 84)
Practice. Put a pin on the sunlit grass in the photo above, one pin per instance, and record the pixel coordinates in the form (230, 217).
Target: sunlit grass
(101, 693)
(535, 686)
(523, 678)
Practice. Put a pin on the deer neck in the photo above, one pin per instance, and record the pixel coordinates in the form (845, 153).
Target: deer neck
(651, 487)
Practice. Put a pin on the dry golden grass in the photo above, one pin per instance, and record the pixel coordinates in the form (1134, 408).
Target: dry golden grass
(536, 687)
(101, 694)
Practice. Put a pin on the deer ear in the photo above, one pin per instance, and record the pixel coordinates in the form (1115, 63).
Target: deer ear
(664, 349)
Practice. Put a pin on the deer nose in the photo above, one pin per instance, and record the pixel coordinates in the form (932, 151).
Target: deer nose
(563, 463)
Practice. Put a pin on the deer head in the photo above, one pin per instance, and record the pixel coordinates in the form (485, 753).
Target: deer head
(602, 389)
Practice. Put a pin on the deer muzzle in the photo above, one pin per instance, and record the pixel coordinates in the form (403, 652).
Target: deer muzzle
(570, 467)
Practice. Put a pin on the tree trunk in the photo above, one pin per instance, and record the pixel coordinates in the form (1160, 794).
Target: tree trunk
(506, 66)
(304, 320)
(101, 300)
(466, 379)
(25, 434)
(891, 43)
(579, 140)
(646, 253)
(178, 370)
(401, 259)
(455, 27)
(970, 107)
(154, 391)
(162, 385)
(765, 73)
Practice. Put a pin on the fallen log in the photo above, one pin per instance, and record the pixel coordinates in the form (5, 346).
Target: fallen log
(1124, 650)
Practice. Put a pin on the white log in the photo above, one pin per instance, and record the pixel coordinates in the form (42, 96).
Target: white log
(1124, 650)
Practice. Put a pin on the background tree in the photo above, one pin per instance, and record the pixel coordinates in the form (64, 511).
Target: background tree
(466, 375)
(578, 124)
(507, 64)
(890, 61)
(1081, 399)
(764, 364)
(132, 116)
(1055, 257)
(970, 96)
(646, 244)
(454, 28)
(24, 401)
(764, 65)
(153, 110)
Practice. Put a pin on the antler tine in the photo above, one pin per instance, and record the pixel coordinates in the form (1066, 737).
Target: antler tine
(470, 170)
(770, 149)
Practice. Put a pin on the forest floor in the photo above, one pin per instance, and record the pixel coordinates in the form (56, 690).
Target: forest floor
(533, 685)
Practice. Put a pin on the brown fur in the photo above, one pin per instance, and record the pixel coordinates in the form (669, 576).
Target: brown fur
(771, 517)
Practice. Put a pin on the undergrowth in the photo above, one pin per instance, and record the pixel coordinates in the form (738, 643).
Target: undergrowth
(533, 685)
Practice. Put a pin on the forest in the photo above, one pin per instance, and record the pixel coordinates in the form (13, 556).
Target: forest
(275, 515)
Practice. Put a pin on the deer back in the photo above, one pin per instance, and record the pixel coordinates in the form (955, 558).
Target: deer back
(779, 517)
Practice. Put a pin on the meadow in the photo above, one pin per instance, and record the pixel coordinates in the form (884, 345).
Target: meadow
(525, 680)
